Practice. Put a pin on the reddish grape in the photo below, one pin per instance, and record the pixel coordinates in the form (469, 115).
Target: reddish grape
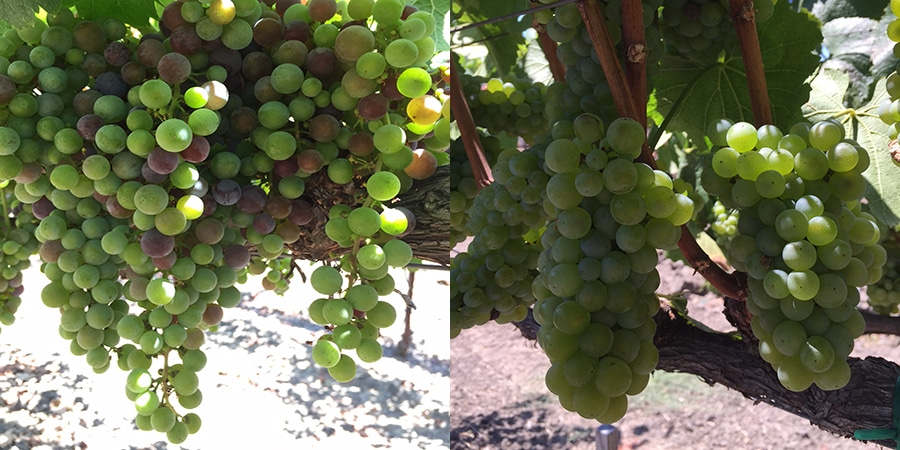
(236, 256)
(253, 199)
(155, 244)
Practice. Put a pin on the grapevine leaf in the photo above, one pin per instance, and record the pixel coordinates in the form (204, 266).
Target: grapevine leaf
(19, 13)
(826, 10)
(502, 39)
(708, 92)
(883, 58)
(132, 12)
(856, 44)
(536, 66)
(440, 9)
(864, 125)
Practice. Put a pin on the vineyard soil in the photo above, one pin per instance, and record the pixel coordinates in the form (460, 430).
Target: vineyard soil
(260, 384)
(499, 399)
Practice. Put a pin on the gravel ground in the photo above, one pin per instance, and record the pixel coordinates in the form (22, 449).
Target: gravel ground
(260, 384)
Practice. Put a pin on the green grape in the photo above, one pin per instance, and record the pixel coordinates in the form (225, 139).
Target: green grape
(561, 156)
(401, 53)
(185, 382)
(174, 135)
(203, 122)
(387, 12)
(742, 137)
(155, 94)
(369, 350)
(196, 97)
(412, 82)
(326, 280)
(344, 370)
(383, 186)
(382, 315)
(287, 78)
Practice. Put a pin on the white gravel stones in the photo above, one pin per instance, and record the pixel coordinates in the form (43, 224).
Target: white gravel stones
(259, 386)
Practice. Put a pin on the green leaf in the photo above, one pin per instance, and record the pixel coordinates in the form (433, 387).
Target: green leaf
(132, 12)
(440, 9)
(705, 93)
(19, 13)
(856, 44)
(502, 39)
(535, 63)
(826, 10)
(862, 124)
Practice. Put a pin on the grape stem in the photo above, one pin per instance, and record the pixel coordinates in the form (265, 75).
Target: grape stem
(743, 13)
(6, 212)
(635, 54)
(619, 86)
(481, 170)
(726, 283)
(165, 379)
(609, 60)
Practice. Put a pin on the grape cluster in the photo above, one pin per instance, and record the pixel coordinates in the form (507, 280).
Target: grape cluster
(700, 30)
(164, 169)
(585, 88)
(596, 258)
(883, 298)
(597, 283)
(18, 244)
(889, 109)
(725, 221)
(803, 241)
(463, 187)
(492, 280)
(511, 105)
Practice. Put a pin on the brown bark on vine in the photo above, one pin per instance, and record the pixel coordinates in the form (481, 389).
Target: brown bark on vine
(742, 13)
(459, 107)
(549, 46)
(428, 200)
(732, 361)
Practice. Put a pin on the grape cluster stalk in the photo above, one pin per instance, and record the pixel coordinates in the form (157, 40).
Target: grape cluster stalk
(153, 173)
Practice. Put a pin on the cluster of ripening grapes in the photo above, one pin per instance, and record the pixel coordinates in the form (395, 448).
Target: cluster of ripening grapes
(701, 30)
(463, 187)
(492, 279)
(889, 109)
(17, 243)
(596, 289)
(510, 105)
(884, 298)
(725, 221)
(158, 171)
(802, 239)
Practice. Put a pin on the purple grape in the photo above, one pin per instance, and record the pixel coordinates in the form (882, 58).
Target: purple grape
(226, 192)
(236, 256)
(253, 199)
(156, 244)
